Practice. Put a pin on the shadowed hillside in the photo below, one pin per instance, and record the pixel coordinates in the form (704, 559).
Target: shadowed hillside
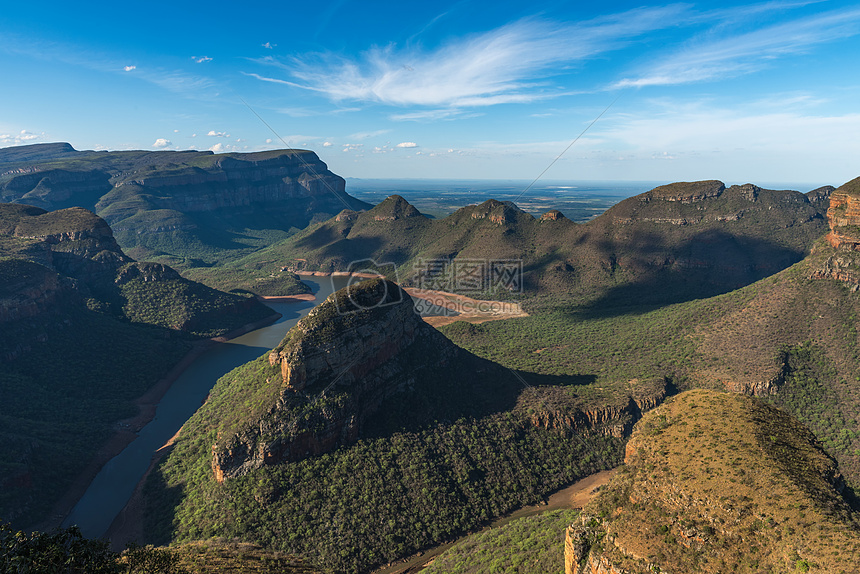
(676, 242)
(84, 331)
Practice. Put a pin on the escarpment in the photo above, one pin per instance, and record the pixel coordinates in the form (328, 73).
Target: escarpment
(189, 204)
(237, 182)
(842, 262)
(557, 408)
(717, 482)
(844, 216)
(332, 372)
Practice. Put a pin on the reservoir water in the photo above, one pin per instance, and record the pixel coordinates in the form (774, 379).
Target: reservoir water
(112, 487)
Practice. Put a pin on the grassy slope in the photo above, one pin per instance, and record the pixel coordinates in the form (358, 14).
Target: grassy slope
(531, 545)
(804, 329)
(719, 482)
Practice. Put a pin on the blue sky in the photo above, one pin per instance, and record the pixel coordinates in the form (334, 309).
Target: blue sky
(742, 92)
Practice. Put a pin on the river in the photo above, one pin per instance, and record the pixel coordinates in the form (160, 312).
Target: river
(112, 487)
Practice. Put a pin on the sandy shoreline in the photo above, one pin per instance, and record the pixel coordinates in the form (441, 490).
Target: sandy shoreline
(286, 298)
(470, 310)
(127, 429)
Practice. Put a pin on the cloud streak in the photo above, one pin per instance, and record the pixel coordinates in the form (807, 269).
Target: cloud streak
(731, 56)
(510, 64)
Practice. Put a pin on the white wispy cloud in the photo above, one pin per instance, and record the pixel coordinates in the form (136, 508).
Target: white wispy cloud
(269, 45)
(510, 64)
(733, 55)
(367, 135)
(201, 59)
(407, 144)
(23, 137)
(129, 68)
(217, 148)
(214, 134)
(162, 143)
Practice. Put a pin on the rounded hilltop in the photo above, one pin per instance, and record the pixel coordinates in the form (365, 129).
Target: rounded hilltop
(718, 482)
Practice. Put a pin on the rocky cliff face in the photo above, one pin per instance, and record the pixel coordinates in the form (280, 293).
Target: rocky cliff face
(331, 373)
(499, 212)
(54, 188)
(240, 182)
(843, 216)
(181, 203)
(555, 410)
(75, 241)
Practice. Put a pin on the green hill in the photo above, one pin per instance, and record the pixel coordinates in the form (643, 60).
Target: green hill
(395, 444)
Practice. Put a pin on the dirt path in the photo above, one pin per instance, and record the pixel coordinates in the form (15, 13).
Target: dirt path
(127, 429)
(576, 495)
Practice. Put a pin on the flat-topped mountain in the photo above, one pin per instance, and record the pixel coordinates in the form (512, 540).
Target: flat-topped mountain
(716, 482)
(180, 204)
(675, 242)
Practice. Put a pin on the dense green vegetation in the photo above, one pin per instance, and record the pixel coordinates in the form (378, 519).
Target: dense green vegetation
(83, 333)
(66, 551)
(225, 278)
(386, 496)
(809, 393)
(183, 305)
(63, 395)
(530, 545)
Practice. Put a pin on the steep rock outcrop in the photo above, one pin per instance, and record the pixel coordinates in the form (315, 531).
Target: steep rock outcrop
(552, 215)
(500, 212)
(685, 192)
(556, 411)
(81, 244)
(331, 373)
(844, 216)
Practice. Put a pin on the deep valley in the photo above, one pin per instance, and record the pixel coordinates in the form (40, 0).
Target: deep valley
(700, 338)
